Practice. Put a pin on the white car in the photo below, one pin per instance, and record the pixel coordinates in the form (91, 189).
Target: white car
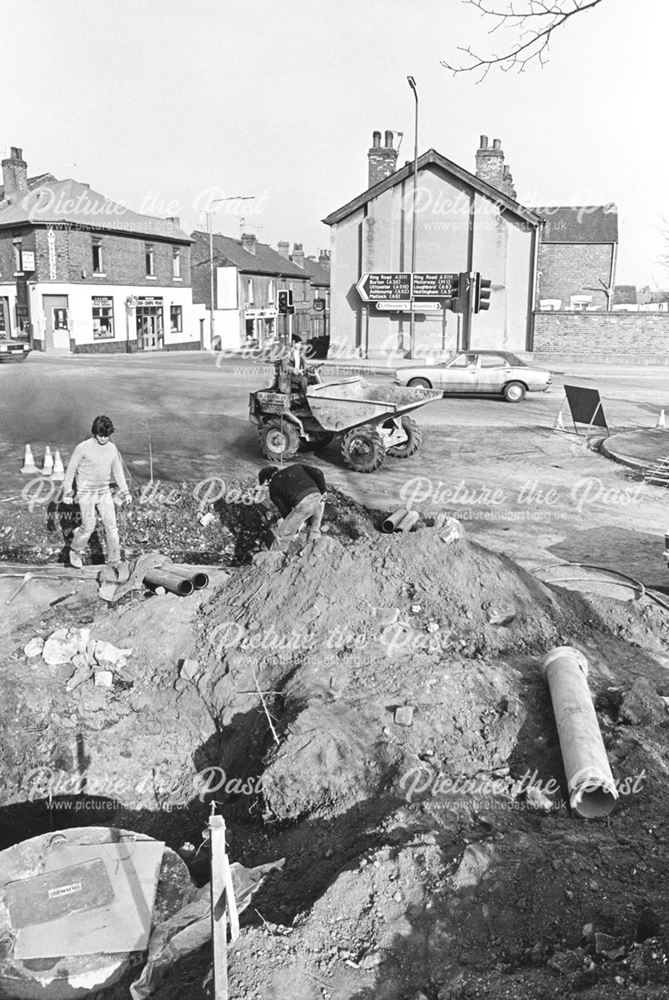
(488, 373)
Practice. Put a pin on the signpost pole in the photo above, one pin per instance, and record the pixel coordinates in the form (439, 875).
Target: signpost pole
(412, 327)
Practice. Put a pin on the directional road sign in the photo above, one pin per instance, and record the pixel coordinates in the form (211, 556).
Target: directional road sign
(391, 285)
(398, 286)
(398, 306)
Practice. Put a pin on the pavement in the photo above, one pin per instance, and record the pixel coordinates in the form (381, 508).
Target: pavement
(646, 451)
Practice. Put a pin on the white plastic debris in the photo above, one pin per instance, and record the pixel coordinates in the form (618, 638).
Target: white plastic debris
(104, 678)
(451, 530)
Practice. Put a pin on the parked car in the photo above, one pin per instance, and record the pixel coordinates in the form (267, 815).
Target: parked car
(479, 372)
(13, 350)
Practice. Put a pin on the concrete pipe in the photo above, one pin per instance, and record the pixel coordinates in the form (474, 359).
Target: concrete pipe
(390, 523)
(592, 790)
(197, 577)
(407, 523)
(173, 582)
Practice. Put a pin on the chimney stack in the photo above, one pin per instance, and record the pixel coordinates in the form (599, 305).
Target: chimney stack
(14, 174)
(249, 242)
(284, 248)
(490, 167)
(382, 159)
(324, 258)
(298, 254)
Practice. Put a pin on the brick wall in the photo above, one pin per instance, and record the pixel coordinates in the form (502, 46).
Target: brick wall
(70, 250)
(574, 269)
(614, 338)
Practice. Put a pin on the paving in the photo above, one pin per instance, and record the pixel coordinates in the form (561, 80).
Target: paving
(644, 450)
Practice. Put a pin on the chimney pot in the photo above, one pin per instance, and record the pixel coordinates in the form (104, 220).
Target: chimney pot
(381, 160)
(497, 144)
(249, 242)
(484, 142)
(284, 248)
(14, 174)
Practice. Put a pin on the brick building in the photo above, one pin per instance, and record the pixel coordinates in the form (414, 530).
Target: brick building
(80, 273)
(315, 320)
(247, 277)
(464, 222)
(577, 257)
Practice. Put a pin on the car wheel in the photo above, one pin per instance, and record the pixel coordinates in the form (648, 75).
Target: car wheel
(419, 383)
(514, 392)
(412, 443)
(362, 449)
(279, 440)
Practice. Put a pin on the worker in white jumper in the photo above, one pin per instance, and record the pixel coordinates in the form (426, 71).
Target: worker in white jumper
(94, 463)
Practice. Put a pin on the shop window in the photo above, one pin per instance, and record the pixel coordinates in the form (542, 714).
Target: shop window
(103, 317)
(176, 319)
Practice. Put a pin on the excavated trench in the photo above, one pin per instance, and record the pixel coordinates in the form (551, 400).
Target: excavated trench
(366, 709)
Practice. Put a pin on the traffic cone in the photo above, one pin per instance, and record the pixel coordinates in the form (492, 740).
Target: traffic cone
(559, 425)
(29, 467)
(661, 422)
(58, 474)
(47, 468)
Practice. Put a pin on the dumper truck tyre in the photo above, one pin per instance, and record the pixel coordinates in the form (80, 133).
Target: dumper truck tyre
(514, 392)
(279, 440)
(363, 449)
(419, 383)
(412, 443)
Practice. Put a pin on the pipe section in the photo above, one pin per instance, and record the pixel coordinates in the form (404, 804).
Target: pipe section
(173, 582)
(407, 523)
(390, 523)
(197, 577)
(592, 790)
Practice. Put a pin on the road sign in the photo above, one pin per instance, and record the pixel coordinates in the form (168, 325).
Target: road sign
(398, 306)
(385, 286)
(434, 284)
(399, 286)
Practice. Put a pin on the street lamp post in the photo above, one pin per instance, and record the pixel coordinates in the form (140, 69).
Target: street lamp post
(412, 328)
(210, 230)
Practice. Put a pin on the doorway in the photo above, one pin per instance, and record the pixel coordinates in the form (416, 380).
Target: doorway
(149, 318)
(57, 323)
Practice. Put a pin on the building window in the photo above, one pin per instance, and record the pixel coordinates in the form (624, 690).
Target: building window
(103, 317)
(176, 263)
(97, 257)
(176, 321)
(149, 261)
(249, 291)
(18, 260)
(270, 293)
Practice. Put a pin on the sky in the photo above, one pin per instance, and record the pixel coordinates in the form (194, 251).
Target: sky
(165, 105)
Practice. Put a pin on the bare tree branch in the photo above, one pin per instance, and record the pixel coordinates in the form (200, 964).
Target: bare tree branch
(534, 24)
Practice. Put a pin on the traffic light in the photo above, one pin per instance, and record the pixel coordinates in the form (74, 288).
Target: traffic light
(481, 293)
(460, 293)
(285, 301)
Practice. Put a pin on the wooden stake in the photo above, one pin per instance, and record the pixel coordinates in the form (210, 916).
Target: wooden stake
(218, 905)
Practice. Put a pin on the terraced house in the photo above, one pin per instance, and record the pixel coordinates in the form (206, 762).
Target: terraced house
(80, 273)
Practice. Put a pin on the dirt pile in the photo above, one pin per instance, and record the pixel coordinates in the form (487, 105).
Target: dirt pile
(372, 661)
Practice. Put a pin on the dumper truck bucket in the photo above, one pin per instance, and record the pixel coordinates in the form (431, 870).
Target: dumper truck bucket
(339, 406)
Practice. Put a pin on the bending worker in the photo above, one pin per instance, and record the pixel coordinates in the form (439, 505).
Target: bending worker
(298, 493)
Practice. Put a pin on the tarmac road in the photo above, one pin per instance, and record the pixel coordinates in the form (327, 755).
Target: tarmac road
(195, 411)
